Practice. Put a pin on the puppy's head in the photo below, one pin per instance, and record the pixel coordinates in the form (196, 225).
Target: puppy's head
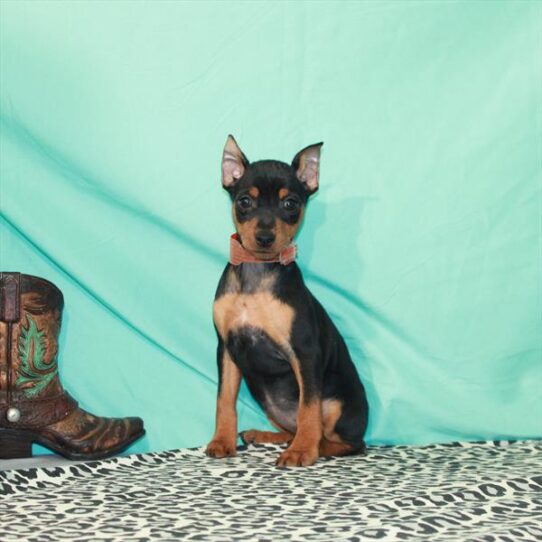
(269, 197)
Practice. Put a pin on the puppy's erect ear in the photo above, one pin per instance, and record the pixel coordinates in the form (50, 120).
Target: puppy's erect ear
(234, 163)
(307, 166)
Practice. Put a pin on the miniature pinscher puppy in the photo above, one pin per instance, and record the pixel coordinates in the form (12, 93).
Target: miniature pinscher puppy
(271, 330)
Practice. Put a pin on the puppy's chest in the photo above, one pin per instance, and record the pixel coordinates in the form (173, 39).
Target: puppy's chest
(253, 306)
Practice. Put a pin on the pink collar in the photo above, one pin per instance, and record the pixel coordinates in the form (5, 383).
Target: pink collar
(239, 254)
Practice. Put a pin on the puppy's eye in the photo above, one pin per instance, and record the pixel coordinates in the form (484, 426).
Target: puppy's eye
(290, 204)
(244, 203)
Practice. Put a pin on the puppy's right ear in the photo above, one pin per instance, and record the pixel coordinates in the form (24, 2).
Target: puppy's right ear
(234, 163)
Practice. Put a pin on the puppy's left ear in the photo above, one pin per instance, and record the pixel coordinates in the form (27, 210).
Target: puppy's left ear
(307, 166)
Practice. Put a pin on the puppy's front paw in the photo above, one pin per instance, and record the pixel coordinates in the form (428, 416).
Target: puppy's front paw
(220, 448)
(297, 458)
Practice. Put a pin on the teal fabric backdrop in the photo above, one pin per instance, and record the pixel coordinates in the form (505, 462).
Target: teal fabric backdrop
(423, 243)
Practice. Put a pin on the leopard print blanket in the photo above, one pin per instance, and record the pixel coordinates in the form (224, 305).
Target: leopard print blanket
(489, 491)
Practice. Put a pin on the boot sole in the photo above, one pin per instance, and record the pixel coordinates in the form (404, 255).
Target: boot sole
(15, 444)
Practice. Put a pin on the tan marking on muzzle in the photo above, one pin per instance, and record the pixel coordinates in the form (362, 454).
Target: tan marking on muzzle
(247, 232)
(285, 233)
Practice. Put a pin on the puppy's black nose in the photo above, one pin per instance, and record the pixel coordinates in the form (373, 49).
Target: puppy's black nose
(265, 240)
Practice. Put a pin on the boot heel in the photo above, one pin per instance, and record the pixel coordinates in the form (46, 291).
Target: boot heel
(14, 444)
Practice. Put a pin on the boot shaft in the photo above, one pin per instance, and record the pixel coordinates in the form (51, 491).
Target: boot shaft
(30, 319)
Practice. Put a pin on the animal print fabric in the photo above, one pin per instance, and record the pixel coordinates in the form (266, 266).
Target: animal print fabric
(488, 492)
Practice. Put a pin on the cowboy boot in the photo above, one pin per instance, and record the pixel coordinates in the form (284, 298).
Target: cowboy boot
(34, 408)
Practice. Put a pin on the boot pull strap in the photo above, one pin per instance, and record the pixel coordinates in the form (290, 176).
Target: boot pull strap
(9, 297)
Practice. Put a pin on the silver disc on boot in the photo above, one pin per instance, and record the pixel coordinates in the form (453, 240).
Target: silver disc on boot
(13, 415)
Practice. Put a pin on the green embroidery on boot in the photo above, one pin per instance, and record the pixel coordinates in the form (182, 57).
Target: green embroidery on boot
(34, 369)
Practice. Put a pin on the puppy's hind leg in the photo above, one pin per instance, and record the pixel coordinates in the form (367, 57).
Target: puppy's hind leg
(332, 444)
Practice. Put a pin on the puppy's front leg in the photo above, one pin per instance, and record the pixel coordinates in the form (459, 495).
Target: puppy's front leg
(224, 442)
(303, 451)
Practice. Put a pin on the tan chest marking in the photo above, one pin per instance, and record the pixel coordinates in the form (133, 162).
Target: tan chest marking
(260, 309)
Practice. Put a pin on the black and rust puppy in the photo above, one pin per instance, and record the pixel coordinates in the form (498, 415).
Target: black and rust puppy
(271, 329)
